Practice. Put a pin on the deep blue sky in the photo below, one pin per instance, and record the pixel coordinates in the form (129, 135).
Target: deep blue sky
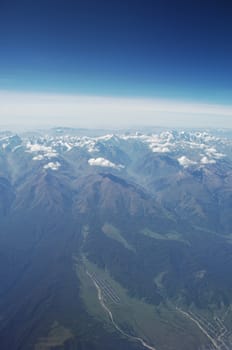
(165, 48)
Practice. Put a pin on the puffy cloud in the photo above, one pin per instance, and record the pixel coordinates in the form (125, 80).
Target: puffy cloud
(212, 152)
(52, 165)
(159, 149)
(39, 157)
(219, 155)
(37, 148)
(51, 154)
(47, 151)
(205, 160)
(185, 162)
(4, 145)
(104, 163)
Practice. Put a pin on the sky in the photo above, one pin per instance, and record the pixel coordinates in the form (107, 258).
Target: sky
(116, 63)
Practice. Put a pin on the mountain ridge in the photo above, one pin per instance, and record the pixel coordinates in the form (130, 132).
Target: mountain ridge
(147, 214)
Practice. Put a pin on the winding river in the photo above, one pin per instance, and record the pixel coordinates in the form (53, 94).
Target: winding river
(116, 326)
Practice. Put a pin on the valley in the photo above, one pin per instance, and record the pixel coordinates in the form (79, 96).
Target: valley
(115, 240)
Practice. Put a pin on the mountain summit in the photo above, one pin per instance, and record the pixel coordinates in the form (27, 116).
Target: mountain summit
(115, 241)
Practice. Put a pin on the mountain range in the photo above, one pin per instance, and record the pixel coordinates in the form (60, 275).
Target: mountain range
(116, 240)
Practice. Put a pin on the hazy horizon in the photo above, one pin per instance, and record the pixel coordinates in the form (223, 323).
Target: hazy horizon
(116, 64)
(47, 109)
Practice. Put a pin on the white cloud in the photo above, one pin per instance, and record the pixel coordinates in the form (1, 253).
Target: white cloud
(103, 163)
(47, 151)
(219, 155)
(205, 160)
(38, 148)
(95, 111)
(212, 152)
(51, 154)
(4, 145)
(39, 157)
(53, 166)
(186, 162)
(159, 149)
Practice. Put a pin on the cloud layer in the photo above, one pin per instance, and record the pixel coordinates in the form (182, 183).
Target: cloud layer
(30, 109)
